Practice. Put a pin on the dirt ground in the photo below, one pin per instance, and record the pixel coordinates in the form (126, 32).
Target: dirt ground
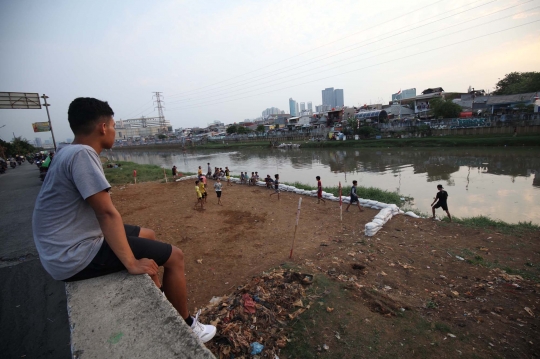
(403, 292)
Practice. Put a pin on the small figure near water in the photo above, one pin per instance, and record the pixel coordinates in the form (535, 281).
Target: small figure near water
(441, 198)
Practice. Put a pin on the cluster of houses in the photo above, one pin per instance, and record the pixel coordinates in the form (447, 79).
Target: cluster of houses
(403, 110)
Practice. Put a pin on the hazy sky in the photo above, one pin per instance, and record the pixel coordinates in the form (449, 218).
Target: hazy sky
(230, 60)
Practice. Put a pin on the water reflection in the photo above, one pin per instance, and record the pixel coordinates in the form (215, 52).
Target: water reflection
(502, 183)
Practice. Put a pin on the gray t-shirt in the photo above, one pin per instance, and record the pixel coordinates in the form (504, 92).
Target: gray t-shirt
(66, 231)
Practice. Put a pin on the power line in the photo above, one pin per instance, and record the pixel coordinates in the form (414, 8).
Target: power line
(366, 67)
(324, 45)
(397, 49)
(351, 48)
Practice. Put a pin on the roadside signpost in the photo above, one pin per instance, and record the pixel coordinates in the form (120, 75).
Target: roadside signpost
(28, 101)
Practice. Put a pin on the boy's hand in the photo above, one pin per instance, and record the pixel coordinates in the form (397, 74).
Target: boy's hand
(144, 266)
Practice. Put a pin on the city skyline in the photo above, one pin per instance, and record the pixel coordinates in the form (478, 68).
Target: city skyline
(370, 53)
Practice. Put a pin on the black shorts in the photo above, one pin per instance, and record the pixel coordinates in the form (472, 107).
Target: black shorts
(106, 262)
(444, 206)
(354, 200)
(204, 194)
(218, 193)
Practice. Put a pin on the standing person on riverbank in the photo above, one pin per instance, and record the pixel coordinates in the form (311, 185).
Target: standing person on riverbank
(79, 233)
(174, 172)
(228, 176)
(209, 173)
(202, 189)
(199, 172)
(199, 195)
(276, 186)
(354, 197)
(319, 190)
(217, 187)
(441, 199)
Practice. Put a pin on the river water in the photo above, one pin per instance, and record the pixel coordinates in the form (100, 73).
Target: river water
(501, 183)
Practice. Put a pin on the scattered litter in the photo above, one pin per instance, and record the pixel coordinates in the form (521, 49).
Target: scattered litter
(460, 258)
(337, 336)
(242, 321)
(199, 261)
(256, 348)
(451, 335)
(325, 347)
(382, 273)
(329, 310)
(528, 310)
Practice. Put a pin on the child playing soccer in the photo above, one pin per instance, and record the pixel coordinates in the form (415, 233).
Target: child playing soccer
(319, 190)
(441, 197)
(217, 187)
(199, 196)
(354, 198)
(276, 186)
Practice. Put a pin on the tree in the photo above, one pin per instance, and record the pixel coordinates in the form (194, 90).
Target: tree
(232, 129)
(19, 146)
(260, 128)
(162, 136)
(518, 82)
(367, 131)
(241, 130)
(352, 123)
(444, 108)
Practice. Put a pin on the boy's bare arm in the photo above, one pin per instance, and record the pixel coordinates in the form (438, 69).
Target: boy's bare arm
(112, 227)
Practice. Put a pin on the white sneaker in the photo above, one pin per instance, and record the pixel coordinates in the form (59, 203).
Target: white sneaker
(204, 332)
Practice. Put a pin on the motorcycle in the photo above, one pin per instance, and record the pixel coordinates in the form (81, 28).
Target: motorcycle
(12, 164)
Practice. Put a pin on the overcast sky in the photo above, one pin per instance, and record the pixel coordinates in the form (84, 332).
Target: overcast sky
(230, 60)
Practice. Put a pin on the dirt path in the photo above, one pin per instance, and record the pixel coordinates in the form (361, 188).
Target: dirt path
(409, 264)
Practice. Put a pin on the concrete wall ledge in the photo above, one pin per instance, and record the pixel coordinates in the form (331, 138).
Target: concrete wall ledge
(126, 316)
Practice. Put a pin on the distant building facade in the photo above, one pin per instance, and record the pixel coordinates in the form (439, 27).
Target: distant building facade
(310, 106)
(38, 142)
(332, 98)
(405, 94)
(293, 106)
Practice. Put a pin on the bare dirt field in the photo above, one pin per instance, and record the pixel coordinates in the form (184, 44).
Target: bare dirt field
(402, 293)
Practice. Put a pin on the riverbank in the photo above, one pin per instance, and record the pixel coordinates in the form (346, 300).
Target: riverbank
(399, 293)
(496, 140)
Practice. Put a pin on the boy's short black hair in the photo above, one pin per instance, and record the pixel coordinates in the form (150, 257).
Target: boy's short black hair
(355, 182)
(196, 182)
(318, 178)
(85, 112)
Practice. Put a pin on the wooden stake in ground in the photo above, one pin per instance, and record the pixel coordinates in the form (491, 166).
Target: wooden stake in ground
(165, 175)
(135, 176)
(296, 226)
(340, 206)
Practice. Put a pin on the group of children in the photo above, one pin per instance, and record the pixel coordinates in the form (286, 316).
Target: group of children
(201, 188)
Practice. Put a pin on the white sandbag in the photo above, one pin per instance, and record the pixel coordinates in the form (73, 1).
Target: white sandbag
(372, 225)
(412, 214)
(380, 222)
(401, 211)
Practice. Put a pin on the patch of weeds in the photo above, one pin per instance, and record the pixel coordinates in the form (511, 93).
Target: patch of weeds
(441, 327)
(467, 252)
(524, 273)
(431, 305)
(498, 225)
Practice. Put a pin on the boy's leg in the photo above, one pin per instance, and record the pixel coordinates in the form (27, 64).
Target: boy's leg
(347, 209)
(174, 282)
(433, 210)
(449, 216)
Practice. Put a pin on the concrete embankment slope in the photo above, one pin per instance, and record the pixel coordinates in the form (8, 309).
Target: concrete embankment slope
(126, 316)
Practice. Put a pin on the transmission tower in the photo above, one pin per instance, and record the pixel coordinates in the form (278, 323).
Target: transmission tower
(159, 105)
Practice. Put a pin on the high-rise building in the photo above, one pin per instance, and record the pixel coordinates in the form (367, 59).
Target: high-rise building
(328, 97)
(271, 111)
(338, 98)
(297, 109)
(302, 106)
(332, 98)
(293, 105)
(310, 106)
(38, 142)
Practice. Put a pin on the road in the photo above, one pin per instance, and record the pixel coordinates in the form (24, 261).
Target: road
(33, 307)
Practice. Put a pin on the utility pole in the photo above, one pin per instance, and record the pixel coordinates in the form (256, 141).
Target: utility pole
(45, 97)
(159, 106)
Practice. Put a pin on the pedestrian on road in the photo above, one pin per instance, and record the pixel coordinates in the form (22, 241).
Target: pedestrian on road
(441, 199)
(79, 233)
